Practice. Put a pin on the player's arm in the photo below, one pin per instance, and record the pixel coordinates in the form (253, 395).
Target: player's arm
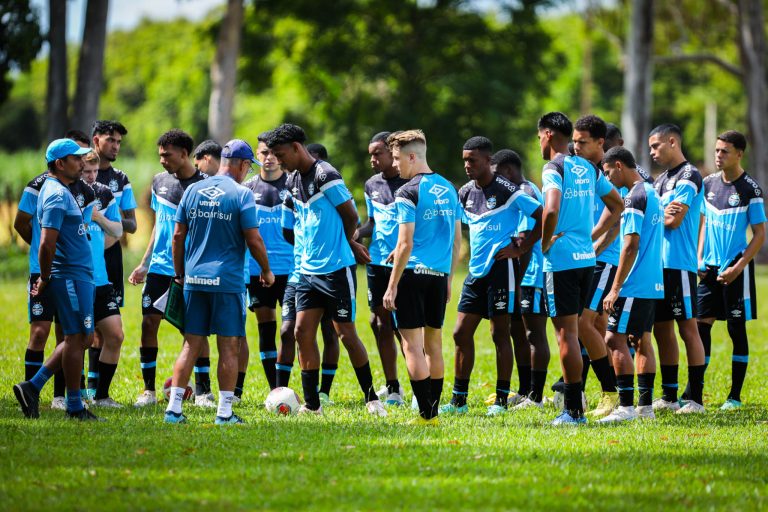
(674, 214)
(629, 250)
(401, 255)
(129, 220)
(614, 206)
(23, 226)
(45, 254)
(758, 239)
(454, 258)
(178, 248)
(550, 216)
(349, 219)
(700, 245)
(602, 242)
(139, 274)
(366, 230)
(110, 227)
(259, 252)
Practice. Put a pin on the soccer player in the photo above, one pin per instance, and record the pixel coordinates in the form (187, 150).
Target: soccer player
(492, 206)
(570, 184)
(156, 267)
(105, 223)
(425, 257)
(682, 196)
(317, 151)
(589, 135)
(207, 157)
(638, 283)
(65, 266)
(323, 206)
(381, 228)
(733, 201)
(508, 164)
(215, 221)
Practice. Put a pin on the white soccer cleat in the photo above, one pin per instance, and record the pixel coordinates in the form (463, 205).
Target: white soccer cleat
(662, 405)
(383, 393)
(305, 410)
(376, 408)
(691, 408)
(206, 401)
(59, 403)
(414, 404)
(107, 402)
(528, 404)
(146, 398)
(645, 412)
(620, 414)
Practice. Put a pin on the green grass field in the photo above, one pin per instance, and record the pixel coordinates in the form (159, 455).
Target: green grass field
(348, 460)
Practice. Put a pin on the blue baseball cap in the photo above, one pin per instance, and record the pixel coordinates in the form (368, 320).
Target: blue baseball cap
(62, 148)
(238, 148)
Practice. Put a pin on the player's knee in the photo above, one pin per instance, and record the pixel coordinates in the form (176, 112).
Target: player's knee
(38, 336)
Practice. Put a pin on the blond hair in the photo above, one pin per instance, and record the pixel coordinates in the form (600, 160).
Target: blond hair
(409, 141)
(91, 158)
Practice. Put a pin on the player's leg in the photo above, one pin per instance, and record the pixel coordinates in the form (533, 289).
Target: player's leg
(740, 298)
(154, 287)
(645, 364)
(267, 326)
(305, 331)
(182, 371)
(464, 359)
(330, 359)
(504, 357)
(625, 378)
(595, 344)
(433, 299)
(383, 331)
(418, 370)
(111, 331)
(535, 322)
(229, 348)
(522, 356)
(242, 368)
(287, 351)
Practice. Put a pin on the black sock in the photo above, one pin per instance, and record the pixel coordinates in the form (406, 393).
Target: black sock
(740, 359)
(309, 382)
(422, 390)
(626, 386)
(573, 403)
(59, 386)
(705, 333)
(327, 375)
(393, 386)
(669, 382)
(203, 376)
(436, 386)
(696, 383)
(148, 358)
(524, 376)
(645, 388)
(538, 379)
(268, 351)
(365, 379)
(93, 367)
(33, 360)
(604, 374)
(559, 386)
(82, 375)
(240, 384)
(584, 366)
(502, 391)
(283, 374)
(106, 373)
(460, 392)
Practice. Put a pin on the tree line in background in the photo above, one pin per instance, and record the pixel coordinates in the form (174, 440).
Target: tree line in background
(349, 68)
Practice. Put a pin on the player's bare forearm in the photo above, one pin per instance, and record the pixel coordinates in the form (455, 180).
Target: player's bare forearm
(627, 258)
(257, 248)
(366, 230)
(129, 221)
(349, 218)
(177, 248)
(614, 206)
(23, 226)
(754, 246)
(534, 235)
(47, 250)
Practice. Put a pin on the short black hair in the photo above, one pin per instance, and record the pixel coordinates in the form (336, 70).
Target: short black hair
(263, 136)
(558, 122)
(77, 136)
(479, 143)
(612, 131)
(593, 125)
(208, 147)
(107, 127)
(318, 149)
(667, 129)
(286, 133)
(380, 137)
(621, 154)
(507, 157)
(738, 139)
(178, 138)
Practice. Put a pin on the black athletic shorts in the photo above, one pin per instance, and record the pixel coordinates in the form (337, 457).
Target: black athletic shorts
(567, 290)
(679, 302)
(602, 280)
(42, 307)
(632, 316)
(154, 288)
(261, 297)
(104, 303)
(378, 280)
(334, 293)
(736, 301)
(288, 312)
(532, 301)
(421, 296)
(494, 293)
(113, 258)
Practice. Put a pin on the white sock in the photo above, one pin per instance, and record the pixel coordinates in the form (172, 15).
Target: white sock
(225, 404)
(175, 400)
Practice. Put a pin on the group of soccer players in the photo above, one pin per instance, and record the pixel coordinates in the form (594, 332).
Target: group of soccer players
(605, 251)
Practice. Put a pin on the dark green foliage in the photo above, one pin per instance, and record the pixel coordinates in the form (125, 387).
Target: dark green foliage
(20, 39)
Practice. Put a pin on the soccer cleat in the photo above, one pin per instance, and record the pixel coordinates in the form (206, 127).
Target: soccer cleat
(567, 419)
(512, 399)
(28, 398)
(232, 420)
(620, 413)
(559, 386)
(174, 417)
(606, 405)
(691, 407)
(418, 421)
(325, 399)
(88, 394)
(383, 393)
(645, 412)
(206, 401)
(490, 400)
(107, 402)
(146, 398)
(731, 405)
(376, 408)
(662, 405)
(59, 403)
(83, 415)
(414, 404)
(558, 400)
(306, 410)
(451, 408)
(496, 410)
(528, 404)
(236, 400)
(395, 399)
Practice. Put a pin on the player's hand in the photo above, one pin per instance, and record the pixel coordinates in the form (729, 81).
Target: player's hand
(360, 251)
(609, 301)
(728, 275)
(38, 287)
(673, 208)
(139, 275)
(510, 251)
(546, 245)
(356, 236)
(390, 258)
(267, 278)
(389, 298)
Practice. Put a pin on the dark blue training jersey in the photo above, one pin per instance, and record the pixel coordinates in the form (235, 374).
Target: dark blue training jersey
(119, 185)
(269, 197)
(644, 216)
(380, 202)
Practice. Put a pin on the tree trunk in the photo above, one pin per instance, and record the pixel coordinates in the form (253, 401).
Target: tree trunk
(56, 96)
(90, 68)
(638, 75)
(224, 73)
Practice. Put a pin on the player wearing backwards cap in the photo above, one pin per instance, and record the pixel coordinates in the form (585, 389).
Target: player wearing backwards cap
(215, 221)
(425, 257)
(732, 201)
(682, 196)
(66, 268)
(156, 267)
(570, 185)
(638, 283)
(326, 213)
(492, 206)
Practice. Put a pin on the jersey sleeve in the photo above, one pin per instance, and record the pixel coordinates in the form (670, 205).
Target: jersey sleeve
(332, 186)
(687, 187)
(54, 210)
(405, 201)
(287, 216)
(181, 210)
(551, 179)
(248, 217)
(524, 202)
(127, 200)
(113, 211)
(28, 201)
(633, 214)
(603, 187)
(756, 208)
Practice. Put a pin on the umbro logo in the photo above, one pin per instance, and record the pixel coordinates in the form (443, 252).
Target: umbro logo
(500, 304)
(211, 192)
(375, 194)
(438, 190)
(470, 203)
(162, 190)
(677, 311)
(257, 196)
(525, 303)
(579, 170)
(342, 313)
(283, 195)
(736, 313)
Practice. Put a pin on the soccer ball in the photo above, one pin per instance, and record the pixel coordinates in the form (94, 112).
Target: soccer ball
(188, 393)
(283, 401)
